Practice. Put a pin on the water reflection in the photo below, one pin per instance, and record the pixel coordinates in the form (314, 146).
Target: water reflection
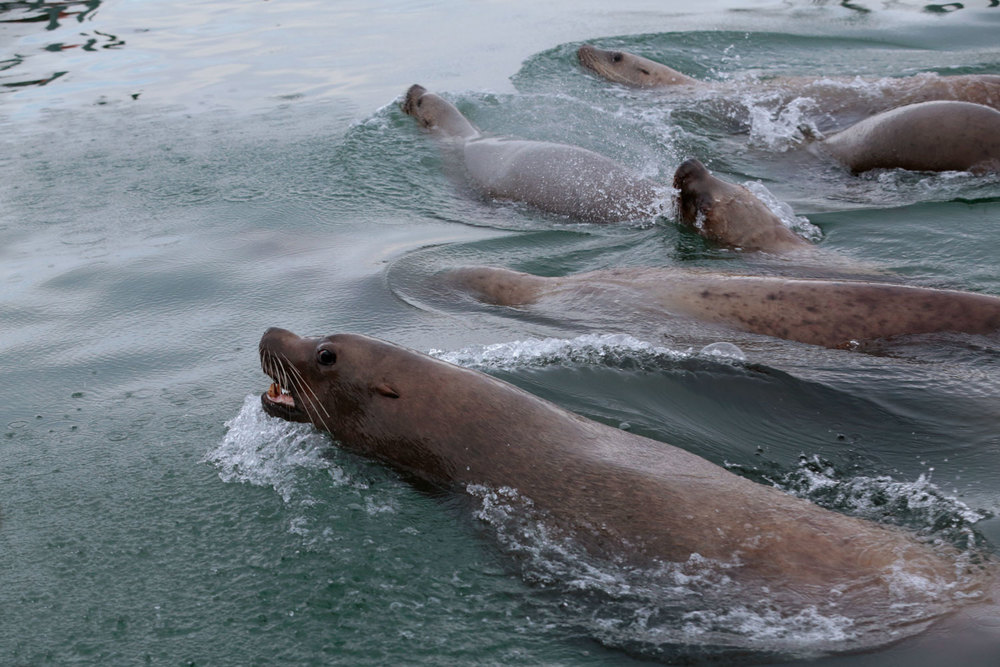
(46, 12)
(22, 19)
(937, 8)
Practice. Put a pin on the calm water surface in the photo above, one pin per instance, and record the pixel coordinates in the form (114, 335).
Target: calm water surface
(178, 176)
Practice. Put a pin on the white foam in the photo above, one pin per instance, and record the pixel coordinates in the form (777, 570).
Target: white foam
(723, 350)
(645, 608)
(780, 129)
(265, 451)
(797, 223)
(878, 498)
(587, 349)
(765, 626)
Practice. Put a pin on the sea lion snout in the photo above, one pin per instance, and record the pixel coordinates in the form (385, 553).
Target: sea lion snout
(279, 353)
(275, 337)
(413, 95)
(587, 54)
(688, 171)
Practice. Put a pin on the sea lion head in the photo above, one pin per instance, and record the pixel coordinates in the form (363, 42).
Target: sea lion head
(729, 214)
(436, 114)
(629, 69)
(323, 381)
(376, 398)
(696, 189)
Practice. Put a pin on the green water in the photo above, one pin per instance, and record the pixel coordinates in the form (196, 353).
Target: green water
(264, 176)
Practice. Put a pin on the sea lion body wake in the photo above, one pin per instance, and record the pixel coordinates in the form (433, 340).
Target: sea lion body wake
(617, 494)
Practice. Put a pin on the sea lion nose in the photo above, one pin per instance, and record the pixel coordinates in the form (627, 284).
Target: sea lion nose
(586, 54)
(273, 335)
(276, 331)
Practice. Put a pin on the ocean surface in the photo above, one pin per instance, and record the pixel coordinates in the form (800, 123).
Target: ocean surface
(176, 177)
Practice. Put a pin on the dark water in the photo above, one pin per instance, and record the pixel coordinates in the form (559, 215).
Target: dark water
(176, 177)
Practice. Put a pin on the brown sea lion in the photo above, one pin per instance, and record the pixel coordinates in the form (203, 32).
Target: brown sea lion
(831, 313)
(558, 178)
(617, 494)
(632, 70)
(730, 215)
(930, 136)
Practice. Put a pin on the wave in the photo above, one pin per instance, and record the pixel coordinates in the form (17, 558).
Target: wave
(614, 350)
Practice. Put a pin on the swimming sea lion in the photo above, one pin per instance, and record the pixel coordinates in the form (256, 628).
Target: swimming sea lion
(730, 215)
(616, 493)
(558, 178)
(632, 70)
(930, 136)
(831, 313)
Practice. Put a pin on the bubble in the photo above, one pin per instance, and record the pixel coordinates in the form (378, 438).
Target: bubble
(723, 350)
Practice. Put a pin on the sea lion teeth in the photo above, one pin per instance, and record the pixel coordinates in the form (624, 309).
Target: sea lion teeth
(274, 390)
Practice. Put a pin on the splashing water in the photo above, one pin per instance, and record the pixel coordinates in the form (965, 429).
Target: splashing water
(590, 349)
(265, 451)
(656, 609)
(782, 129)
(920, 502)
(797, 223)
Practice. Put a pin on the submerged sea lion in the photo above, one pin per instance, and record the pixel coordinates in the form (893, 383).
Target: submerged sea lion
(930, 136)
(730, 215)
(557, 178)
(831, 313)
(632, 70)
(616, 493)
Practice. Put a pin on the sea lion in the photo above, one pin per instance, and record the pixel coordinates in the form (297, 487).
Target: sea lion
(730, 215)
(615, 493)
(558, 178)
(930, 136)
(831, 313)
(632, 70)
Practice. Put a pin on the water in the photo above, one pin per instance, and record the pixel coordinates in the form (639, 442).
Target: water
(176, 177)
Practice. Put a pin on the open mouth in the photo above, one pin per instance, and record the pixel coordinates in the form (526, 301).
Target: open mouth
(279, 402)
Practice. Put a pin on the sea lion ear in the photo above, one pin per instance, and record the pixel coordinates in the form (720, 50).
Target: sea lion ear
(386, 390)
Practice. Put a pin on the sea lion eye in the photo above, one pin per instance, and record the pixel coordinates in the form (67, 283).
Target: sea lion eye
(616, 56)
(326, 357)
(644, 71)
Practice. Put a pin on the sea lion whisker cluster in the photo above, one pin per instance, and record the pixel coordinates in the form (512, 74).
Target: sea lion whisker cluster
(290, 390)
(304, 390)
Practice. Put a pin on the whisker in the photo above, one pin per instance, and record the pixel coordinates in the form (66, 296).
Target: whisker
(306, 387)
(311, 403)
(288, 377)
